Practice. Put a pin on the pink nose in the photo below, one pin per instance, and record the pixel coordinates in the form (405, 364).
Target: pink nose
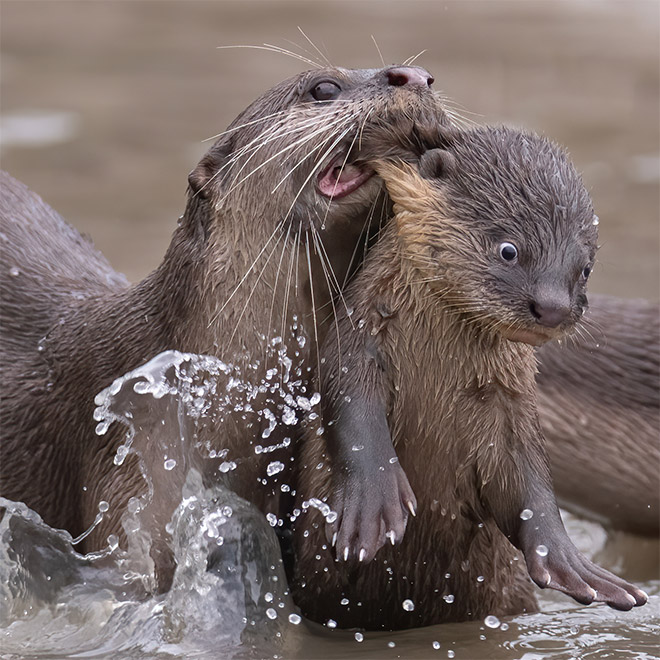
(400, 76)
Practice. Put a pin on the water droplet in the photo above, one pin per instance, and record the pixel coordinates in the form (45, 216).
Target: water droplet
(113, 542)
(295, 619)
(271, 613)
(359, 637)
(274, 468)
(391, 644)
(14, 272)
(268, 597)
(492, 621)
(408, 605)
(103, 506)
(227, 466)
(169, 464)
(504, 626)
(450, 654)
(480, 578)
(596, 221)
(436, 645)
(449, 598)
(344, 601)
(541, 550)
(272, 519)
(526, 514)
(331, 623)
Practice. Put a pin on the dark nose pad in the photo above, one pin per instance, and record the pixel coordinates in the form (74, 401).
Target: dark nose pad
(400, 76)
(550, 313)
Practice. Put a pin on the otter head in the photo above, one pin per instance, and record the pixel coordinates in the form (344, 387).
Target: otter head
(500, 224)
(291, 160)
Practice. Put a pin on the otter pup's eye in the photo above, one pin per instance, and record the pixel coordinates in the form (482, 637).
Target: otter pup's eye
(586, 272)
(508, 251)
(326, 91)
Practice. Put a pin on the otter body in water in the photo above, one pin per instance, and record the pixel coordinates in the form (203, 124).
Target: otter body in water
(273, 207)
(599, 405)
(438, 377)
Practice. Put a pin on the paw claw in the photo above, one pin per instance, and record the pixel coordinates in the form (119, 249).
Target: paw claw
(362, 555)
(411, 507)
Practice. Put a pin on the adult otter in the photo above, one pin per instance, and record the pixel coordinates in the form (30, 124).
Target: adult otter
(275, 204)
(481, 263)
(599, 405)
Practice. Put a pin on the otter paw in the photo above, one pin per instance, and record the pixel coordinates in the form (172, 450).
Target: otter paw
(569, 571)
(372, 510)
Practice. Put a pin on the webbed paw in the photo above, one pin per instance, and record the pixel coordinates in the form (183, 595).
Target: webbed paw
(372, 509)
(565, 569)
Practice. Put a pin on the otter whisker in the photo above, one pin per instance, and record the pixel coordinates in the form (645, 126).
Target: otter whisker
(315, 47)
(311, 287)
(316, 168)
(382, 59)
(305, 157)
(274, 49)
(325, 268)
(410, 60)
(291, 275)
(249, 297)
(363, 238)
(289, 147)
(260, 120)
(277, 278)
(249, 270)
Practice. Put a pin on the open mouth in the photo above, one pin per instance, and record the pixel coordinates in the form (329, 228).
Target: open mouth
(340, 178)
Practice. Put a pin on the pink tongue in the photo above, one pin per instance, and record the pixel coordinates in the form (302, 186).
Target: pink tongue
(350, 179)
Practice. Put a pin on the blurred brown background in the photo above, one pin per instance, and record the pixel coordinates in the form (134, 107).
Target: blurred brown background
(105, 105)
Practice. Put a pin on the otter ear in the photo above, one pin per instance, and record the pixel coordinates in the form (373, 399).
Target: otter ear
(436, 163)
(207, 170)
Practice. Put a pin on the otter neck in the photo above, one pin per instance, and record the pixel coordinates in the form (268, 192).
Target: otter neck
(211, 296)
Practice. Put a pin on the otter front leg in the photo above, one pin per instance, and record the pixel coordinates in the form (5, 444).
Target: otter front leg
(523, 504)
(369, 489)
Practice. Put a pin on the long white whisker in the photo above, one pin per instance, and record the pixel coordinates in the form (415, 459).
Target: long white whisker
(382, 59)
(275, 49)
(249, 270)
(315, 47)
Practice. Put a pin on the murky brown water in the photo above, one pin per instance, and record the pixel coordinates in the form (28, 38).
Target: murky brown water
(105, 106)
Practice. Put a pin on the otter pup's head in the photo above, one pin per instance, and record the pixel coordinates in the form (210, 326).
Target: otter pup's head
(499, 223)
(290, 158)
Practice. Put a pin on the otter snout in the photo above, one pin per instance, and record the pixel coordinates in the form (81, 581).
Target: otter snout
(550, 309)
(401, 76)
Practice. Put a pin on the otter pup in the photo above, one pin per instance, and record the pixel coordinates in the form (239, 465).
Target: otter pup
(488, 255)
(275, 211)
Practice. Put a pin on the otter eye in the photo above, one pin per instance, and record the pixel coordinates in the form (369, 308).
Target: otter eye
(326, 91)
(508, 251)
(586, 272)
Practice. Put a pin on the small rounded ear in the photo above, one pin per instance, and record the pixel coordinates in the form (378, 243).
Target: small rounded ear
(436, 163)
(207, 170)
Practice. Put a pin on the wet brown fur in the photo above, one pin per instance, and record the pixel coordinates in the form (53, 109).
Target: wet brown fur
(71, 325)
(431, 355)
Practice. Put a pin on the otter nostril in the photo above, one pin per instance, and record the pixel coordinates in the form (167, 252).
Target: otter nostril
(549, 313)
(401, 76)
